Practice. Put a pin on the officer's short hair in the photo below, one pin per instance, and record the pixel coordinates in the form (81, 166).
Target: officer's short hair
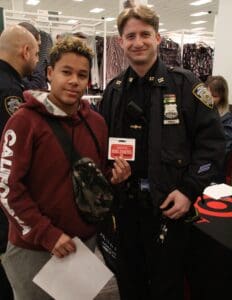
(140, 12)
(70, 44)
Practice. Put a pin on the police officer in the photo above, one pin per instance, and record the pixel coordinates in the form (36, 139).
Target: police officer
(179, 143)
(18, 58)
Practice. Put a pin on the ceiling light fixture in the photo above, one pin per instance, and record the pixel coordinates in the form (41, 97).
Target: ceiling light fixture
(33, 2)
(109, 19)
(72, 21)
(78, 0)
(200, 2)
(198, 29)
(162, 30)
(198, 22)
(96, 10)
(199, 14)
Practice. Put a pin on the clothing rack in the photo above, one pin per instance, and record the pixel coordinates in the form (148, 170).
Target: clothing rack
(56, 24)
(188, 36)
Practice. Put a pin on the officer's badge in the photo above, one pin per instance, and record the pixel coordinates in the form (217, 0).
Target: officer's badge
(201, 92)
(170, 110)
(12, 104)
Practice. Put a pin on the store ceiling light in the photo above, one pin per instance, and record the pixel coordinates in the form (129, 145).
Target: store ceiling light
(109, 19)
(78, 0)
(150, 5)
(162, 30)
(198, 29)
(200, 2)
(199, 14)
(72, 21)
(32, 2)
(96, 10)
(198, 22)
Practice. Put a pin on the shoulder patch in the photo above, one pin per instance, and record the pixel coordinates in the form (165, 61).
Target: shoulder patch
(12, 103)
(201, 92)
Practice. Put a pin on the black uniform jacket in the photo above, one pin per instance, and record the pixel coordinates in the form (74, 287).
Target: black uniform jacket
(11, 96)
(11, 92)
(186, 143)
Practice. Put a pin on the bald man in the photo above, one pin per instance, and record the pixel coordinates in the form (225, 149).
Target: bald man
(18, 58)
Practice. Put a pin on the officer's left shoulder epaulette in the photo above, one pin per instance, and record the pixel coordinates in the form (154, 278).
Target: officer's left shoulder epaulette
(199, 90)
(186, 73)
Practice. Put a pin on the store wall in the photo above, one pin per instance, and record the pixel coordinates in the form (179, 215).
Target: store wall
(223, 43)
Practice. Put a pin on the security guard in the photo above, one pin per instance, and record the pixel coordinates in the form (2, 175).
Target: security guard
(179, 143)
(11, 92)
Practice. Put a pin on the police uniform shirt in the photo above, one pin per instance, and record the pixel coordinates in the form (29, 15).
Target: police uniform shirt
(139, 92)
(11, 92)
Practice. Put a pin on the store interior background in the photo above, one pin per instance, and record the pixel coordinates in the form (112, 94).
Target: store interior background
(175, 18)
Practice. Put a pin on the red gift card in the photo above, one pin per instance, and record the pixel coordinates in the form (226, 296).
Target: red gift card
(119, 147)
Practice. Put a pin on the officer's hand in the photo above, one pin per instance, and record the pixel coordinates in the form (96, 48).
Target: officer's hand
(176, 205)
(121, 171)
(64, 246)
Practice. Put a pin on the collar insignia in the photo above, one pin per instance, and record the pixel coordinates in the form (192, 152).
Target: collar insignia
(135, 126)
(160, 80)
(118, 82)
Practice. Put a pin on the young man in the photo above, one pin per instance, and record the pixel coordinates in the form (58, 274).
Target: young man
(36, 183)
(179, 144)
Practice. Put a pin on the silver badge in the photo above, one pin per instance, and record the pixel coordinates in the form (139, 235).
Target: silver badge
(170, 110)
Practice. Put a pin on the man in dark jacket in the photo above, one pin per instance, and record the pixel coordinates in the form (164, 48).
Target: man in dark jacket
(179, 145)
(37, 80)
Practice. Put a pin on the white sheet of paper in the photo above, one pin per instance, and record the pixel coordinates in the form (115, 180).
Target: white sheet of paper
(218, 191)
(79, 276)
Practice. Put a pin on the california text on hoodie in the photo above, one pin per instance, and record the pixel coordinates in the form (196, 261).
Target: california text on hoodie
(36, 186)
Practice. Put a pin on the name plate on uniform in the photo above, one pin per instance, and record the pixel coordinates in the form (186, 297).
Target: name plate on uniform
(121, 147)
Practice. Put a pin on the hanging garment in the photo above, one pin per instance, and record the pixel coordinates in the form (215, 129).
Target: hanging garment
(198, 58)
(170, 52)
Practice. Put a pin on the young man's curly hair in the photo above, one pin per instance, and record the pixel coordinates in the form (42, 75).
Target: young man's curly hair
(70, 44)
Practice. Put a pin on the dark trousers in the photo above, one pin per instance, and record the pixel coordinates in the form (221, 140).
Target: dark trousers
(146, 269)
(6, 290)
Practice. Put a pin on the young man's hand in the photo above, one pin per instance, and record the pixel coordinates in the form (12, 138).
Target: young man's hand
(64, 246)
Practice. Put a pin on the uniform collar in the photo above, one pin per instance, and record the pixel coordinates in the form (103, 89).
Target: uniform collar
(10, 70)
(156, 76)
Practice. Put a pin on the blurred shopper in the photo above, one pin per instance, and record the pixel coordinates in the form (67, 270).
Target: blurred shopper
(219, 90)
(37, 80)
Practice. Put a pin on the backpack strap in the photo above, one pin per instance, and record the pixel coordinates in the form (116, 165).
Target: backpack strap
(91, 132)
(64, 140)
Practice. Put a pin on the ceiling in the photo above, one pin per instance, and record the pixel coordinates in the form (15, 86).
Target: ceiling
(174, 14)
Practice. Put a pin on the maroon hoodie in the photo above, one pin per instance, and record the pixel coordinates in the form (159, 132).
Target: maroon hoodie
(36, 186)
